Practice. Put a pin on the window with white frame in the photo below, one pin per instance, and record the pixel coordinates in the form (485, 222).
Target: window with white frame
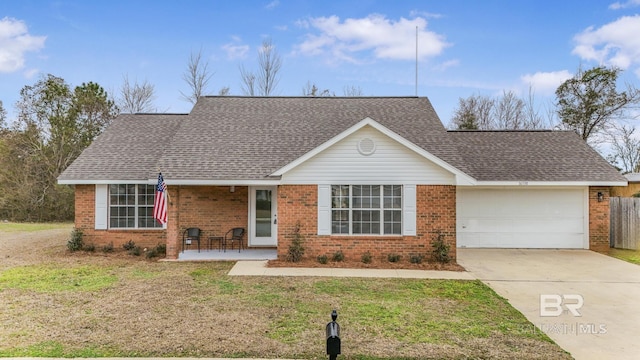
(131, 206)
(366, 209)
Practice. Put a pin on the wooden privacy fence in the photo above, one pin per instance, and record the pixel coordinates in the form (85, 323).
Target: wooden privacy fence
(625, 222)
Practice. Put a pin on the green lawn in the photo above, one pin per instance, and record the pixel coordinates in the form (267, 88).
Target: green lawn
(632, 256)
(115, 305)
(30, 227)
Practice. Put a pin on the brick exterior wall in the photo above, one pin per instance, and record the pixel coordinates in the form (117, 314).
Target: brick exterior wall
(599, 220)
(436, 211)
(213, 209)
(85, 198)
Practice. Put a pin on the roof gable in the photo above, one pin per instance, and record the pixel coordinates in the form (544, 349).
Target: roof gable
(368, 122)
(251, 138)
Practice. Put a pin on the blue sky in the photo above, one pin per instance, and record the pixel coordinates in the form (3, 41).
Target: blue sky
(465, 47)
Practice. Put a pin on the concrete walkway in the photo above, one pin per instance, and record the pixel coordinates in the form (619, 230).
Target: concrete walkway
(607, 323)
(259, 268)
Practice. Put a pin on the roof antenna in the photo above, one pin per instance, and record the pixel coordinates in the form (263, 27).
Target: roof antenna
(416, 60)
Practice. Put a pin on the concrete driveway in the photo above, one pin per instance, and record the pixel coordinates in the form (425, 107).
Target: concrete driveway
(590, 302)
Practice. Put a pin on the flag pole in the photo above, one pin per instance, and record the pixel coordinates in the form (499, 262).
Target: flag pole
(416, 60)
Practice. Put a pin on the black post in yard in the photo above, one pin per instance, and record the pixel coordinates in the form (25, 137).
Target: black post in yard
(333, 337)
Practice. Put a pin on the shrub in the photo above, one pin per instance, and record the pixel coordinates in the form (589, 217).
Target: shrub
(416, 259)
(338, 256)
(75, 243)
(151, 253)
(161, 249)
(393, 258)
(296, 250)
(135, 251)
(129, 245)
(323, 259)
(366, 258)
(158, 251)
(107, 248)
(440, 249)
(89, 248)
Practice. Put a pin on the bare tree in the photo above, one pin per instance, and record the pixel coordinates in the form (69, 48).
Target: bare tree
(352, 90)
(269, 64)
(197, 76)
(311, 90)
(485, 107)
(533, 119)
(509, 112)
(224, 91)
(625, 148)
(136, 98)
(264, 82)
(3, 116)
(473, 113)
(248, 79)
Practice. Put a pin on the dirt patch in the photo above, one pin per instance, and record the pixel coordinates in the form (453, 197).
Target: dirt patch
(23, 248)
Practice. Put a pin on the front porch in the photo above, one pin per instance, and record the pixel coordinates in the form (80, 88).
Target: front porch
(216, 210)
(229, 255)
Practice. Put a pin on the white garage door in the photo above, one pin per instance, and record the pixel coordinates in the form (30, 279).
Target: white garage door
(506, 218)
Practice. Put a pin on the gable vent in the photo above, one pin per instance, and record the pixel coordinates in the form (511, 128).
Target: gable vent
(366, 146)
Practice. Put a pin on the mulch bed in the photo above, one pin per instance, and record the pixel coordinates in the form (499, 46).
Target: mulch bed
(312, 263)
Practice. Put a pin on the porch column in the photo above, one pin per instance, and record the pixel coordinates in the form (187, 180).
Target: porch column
(173, 222)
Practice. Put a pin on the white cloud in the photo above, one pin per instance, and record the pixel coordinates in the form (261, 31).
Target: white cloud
(416, 13)
(15, 41)
(31, 73)
(273, 4)
(447, 64)
(546, 83)
(618, 5)
(385, 38)
(616, 43)
(235, 51)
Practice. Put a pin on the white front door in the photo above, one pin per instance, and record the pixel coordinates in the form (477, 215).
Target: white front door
(263, 221)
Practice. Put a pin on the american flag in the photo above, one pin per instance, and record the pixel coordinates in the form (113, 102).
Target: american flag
(160, 203)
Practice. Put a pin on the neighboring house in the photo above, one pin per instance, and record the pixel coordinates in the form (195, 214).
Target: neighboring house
(632, 190)
(376, 174)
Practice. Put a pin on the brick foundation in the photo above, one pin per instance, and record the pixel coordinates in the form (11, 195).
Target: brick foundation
(436, 208)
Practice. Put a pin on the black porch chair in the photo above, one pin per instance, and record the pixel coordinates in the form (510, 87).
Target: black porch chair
(235, 235)
(190, 235)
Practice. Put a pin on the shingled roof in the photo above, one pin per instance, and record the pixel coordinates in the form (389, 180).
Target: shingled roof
(252, 137)
(557, 156)
(128, 149)
(249, 138)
